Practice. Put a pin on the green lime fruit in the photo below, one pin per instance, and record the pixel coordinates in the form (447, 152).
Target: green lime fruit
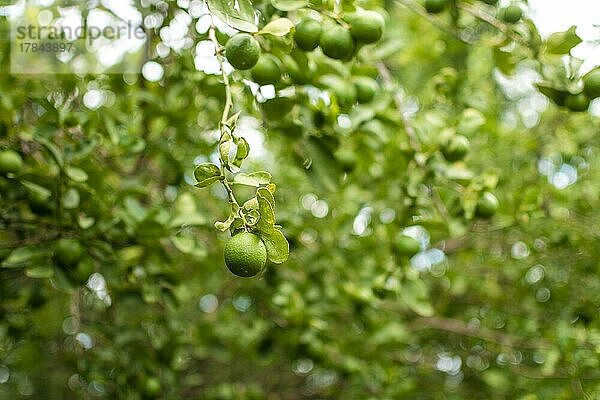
(308, 33)
(266, 70)
(82, 272)
(366, 26)
(591, 84)
(68, 252)
(577, 102)
(487, 205)
(365, 88)
(456, 148)
(344, 93)
(10, 162)
(152, 386)
(40, 204)
(245, 255)
(435, 6)
(511, 14)
(337, 43)
(242, 51)
(407, 246)
(299, 75)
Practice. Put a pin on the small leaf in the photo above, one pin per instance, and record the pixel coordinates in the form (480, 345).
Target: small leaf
(267, 194)
(243, 149)
(24, 256)
(562, 42)
(238, 14)
(289, 5)
(253, 179)
(414, 294)
(40, 271)
(232, 121)
(224, 225)
(278, 27)
(207, 174)
(70, 199)
(278, 248)
(267, 215)
(76, 174)
(52, 149)
(184, 244)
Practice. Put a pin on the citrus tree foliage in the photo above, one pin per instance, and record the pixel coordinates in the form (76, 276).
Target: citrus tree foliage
(440, 212)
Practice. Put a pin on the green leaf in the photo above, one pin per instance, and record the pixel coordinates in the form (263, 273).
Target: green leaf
(238, 14)
(207, 174)
(414, 293)
(278, 248)
(224, 225)
(562, 42)
(76, 174)
(278, 27)
(70, 199)
(289, 5)
(52, 149)
(267, 195)
(40, 271)
(243, 149)
(253, 179)
(24, 256)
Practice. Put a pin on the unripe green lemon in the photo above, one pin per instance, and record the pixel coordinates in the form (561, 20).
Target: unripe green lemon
(456, 148)
(242, 51)
(344, 93)
(591, 84)
(152, 386)
(487, 205)
(407, 246)
(365, 88)
(435, 6)
(10, 162)
(245, 254)
(82, 272)
(366, 26)
(68, 252)
(511, 14)
(266, 70)
(308, 33)
(301, 75)
(337, 43)
(577, 102)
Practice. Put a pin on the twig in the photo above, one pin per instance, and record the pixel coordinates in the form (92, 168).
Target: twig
(433, 20)
(224, 118)
(461, 328)
(495, 22)
(413, 139)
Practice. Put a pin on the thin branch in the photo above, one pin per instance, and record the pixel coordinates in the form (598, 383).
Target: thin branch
(224, 118)
(461, 328)
(385, 74)
(493, 21)
(417, 9)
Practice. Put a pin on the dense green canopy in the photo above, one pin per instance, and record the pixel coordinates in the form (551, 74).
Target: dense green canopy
(112, 277)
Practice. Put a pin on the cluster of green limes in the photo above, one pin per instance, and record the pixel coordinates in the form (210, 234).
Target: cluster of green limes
(578, 101)
(509, 14)
(339, 41)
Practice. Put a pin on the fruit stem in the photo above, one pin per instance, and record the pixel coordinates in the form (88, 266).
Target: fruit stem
(235, 207)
